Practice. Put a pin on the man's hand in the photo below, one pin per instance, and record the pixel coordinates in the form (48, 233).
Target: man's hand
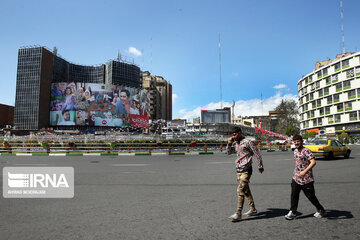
(261, 170)
(230, 140)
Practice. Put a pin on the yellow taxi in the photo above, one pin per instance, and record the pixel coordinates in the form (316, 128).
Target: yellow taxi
(329, 148)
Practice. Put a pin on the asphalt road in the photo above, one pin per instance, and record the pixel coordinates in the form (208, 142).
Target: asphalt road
(183, 197)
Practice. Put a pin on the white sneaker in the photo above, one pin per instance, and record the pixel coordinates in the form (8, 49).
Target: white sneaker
(320, 214)
(235, 217)
(250, 213)
(290, 216)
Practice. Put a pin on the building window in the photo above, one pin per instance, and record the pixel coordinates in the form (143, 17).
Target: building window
(335, 77)
(329, 99)
(306, 81)
(326, 90)
(336, 97)
(319, 121)
(348, 106)
(327, 110)
(314, 122)
(318, 103)
(312, 113)
(321, 111)
(350, 73)
(351, 94)
(357, 71)
(338, 87)
(337, 118)
(337, 67)
(340, 107)
(328, 80)
(311, 96)
(347, 84)
(312, 87)
(331, 119)
(319, 74)
(353, 116)
(313, 104)
(317, 84)
(325, 71)
(345, 63)
(321, 92)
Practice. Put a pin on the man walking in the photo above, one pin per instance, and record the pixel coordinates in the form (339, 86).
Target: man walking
(245, 151)
(303, 179)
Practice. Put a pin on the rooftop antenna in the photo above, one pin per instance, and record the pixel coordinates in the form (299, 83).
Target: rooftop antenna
(118, 56)
(151, 53)
(221, 105)
(142, 54)
(342, 27)
(262, 105)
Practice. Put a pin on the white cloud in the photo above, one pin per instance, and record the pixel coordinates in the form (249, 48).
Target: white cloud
(174, 97)
(279, 86)
(134, 51)
(252, 107)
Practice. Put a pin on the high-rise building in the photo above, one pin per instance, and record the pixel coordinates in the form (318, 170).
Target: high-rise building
(160, 96)
(39, 67)
(329, 96)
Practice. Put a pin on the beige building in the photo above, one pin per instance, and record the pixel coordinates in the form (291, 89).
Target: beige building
(160, 96)
(267, 122)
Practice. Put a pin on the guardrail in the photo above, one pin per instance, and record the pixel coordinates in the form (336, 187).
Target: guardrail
(128, 147)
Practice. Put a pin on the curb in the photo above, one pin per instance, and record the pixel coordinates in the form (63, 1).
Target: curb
(111, 154)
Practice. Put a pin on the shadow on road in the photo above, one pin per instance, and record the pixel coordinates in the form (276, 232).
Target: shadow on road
(270, 213)
(279, 212)
(332, 215)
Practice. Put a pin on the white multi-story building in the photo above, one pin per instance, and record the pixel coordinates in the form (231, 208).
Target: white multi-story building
(329, 97)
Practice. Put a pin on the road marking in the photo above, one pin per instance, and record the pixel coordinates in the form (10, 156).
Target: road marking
(31, 164)
(57, 154)
(154, 154)
(130, 165)
(218, 162)
(91, 154)
(126, 154)
(287, 159)
(192, 153)
(23, 154)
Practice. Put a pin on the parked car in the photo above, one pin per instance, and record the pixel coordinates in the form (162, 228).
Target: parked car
(329, 148)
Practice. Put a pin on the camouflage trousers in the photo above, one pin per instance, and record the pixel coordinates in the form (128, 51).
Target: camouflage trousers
(243, 191)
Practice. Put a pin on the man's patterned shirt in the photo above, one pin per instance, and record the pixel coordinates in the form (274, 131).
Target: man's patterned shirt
(302, 161)
(246, 149)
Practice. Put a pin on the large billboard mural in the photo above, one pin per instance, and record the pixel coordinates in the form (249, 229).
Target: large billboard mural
(90, 104)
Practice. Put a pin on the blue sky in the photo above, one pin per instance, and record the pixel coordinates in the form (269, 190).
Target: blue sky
(266, 45)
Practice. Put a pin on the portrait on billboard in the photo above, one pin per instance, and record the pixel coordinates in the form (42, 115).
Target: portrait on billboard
(62, 118)
(99, 105)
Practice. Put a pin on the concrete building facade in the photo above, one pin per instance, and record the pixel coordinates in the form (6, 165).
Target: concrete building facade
(39, 67)
(329, 96)
(160, 96)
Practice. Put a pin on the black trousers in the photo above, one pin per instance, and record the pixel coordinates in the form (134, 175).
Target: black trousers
(309, 192)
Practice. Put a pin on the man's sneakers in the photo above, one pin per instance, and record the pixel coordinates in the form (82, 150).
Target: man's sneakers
(250, 213)
(290, 216)
(320, 214)
(235, 217)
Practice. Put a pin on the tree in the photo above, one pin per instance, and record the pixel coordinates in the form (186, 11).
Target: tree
(310, 134)
(288, 117)
(343, 138)
(291, 131)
